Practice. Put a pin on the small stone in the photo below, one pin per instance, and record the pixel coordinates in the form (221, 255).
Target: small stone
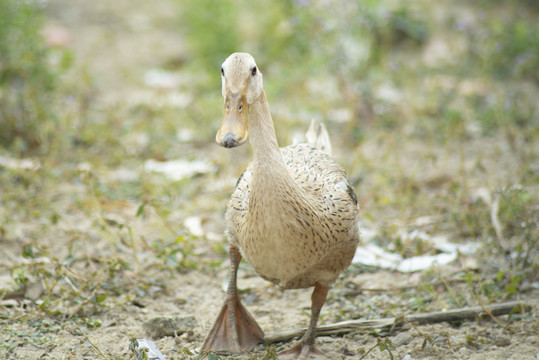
(502, 341)
(161, 326)
(9, 303)
(33, 290)
(403, 338)
(346, 352)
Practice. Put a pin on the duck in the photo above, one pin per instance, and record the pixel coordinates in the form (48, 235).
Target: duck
(293, 214)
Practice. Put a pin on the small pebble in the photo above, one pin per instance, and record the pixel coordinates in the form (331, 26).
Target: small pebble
(403, 338)
(501, 340)
(346, 352)
(161, 326)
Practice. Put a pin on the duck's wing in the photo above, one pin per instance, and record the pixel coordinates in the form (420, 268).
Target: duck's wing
(317, 172)
(238, 205)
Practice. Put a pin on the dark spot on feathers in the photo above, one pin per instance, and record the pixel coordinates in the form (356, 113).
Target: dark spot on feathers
(239, 179)
(352, 194)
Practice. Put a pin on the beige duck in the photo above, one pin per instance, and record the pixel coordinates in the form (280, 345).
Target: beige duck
(293, 214)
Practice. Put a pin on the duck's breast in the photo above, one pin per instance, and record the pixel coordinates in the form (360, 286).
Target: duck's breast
(297, 236)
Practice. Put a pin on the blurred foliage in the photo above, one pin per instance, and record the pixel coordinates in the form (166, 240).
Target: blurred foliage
(27, 80)
(209, 32)
(508, 46)
(309, 36)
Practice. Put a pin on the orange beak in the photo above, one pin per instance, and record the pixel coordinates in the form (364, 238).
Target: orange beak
(234, 127)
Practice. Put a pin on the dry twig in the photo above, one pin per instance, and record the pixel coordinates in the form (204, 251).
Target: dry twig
(387, 324)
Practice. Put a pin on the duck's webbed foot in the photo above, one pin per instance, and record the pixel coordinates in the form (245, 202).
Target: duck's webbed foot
(235, 330)
(305, 348)
(302, 351)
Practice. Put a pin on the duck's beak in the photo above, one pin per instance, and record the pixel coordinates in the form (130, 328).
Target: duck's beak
(234, 125)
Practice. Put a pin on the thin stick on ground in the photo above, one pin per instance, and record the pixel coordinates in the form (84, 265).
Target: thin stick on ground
(494, 208)
(86, 300)
(487, 311)
(370, 349)
(385, 325)
(96, 349)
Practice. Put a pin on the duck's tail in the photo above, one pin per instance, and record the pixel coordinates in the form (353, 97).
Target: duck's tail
(318, 136)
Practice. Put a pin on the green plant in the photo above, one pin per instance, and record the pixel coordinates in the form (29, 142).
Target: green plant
(27, 80)
(176, 254)
(209, 32)
(511, 49)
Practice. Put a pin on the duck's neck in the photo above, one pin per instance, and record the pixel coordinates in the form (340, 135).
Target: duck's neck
(262, 134)
(269, 163)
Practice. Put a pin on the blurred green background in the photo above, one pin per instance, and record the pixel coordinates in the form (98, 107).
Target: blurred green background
(437, 69)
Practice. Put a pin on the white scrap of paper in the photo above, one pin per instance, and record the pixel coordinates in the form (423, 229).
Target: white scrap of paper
(17, 164)
(179, 169)
(194, 225)
(371, 254)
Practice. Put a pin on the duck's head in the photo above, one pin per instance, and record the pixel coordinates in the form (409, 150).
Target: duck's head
(241, 86)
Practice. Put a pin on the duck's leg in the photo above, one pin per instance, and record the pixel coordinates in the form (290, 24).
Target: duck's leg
(305, 348)
(235, 330)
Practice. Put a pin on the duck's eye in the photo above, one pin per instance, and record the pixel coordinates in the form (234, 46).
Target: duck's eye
(253, 71)
(222, 72)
